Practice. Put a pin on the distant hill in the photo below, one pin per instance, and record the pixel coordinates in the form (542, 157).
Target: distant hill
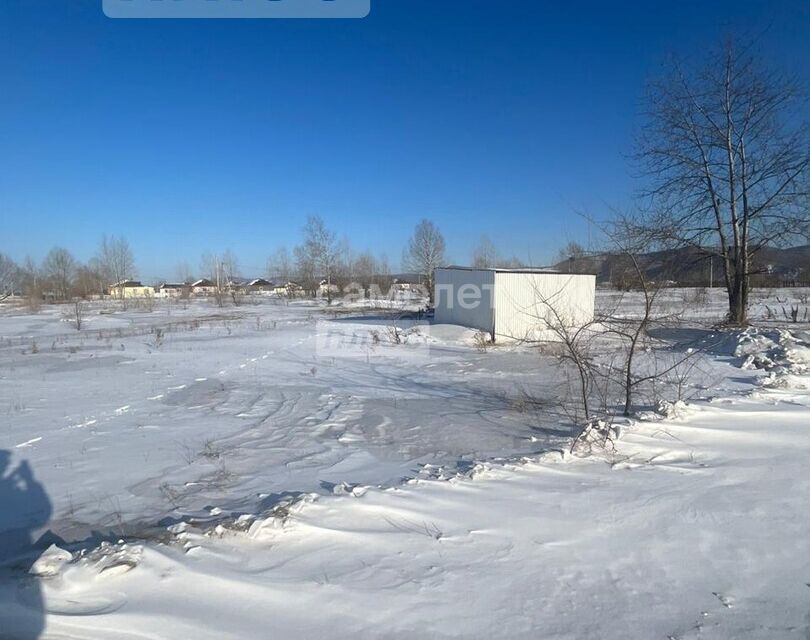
(692, 267)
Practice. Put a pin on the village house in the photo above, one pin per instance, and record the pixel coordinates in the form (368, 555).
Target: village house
(260, 285)
(131, 289)
(236, 286)
(324, 288)
(291, 289)
(172, 289)
(203, 287)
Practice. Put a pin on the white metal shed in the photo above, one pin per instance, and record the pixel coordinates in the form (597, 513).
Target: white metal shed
(513, 304)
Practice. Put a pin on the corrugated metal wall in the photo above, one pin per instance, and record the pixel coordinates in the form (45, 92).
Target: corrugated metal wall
(464, 297)
(523, 301)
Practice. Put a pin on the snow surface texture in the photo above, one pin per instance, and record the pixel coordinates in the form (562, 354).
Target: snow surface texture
(694, 526)
(230, 408)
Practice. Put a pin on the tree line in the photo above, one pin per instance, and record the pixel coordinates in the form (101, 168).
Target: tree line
(60, 276)
(321, 262)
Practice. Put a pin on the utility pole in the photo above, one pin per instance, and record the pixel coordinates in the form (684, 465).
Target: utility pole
(711, 272)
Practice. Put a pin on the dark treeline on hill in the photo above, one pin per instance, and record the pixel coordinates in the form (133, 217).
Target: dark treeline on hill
(772, 267)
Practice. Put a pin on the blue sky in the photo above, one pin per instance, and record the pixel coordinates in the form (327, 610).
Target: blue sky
(187, 136)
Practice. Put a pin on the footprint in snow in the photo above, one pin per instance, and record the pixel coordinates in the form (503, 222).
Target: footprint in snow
(727, 601)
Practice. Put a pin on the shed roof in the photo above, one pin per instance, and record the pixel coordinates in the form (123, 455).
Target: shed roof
(504, 270)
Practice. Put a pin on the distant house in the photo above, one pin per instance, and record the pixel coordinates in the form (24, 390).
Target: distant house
(324, 287)
(131, 289)
(203, 287)
(413, 280)
(236, 286)
(407, 286)
(172, 289)
(288, 289)
(401, 285)
(260, 285)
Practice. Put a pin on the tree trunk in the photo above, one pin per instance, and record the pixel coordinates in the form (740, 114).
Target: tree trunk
(738, 297)
(628, 383)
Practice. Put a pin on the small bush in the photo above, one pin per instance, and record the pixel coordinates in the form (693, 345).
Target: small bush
(482, 341)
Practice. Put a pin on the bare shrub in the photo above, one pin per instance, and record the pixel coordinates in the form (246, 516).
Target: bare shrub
(394, 334)
(696, 296)
(793, 313)
(597, 434)
(482, 341)
(187, 452)
(210, 451)
(78, 310)
(170, 494)
(33, 302)
(675, 376)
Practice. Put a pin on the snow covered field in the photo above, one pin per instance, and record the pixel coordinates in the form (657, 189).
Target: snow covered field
(253, 460)
(230, 407)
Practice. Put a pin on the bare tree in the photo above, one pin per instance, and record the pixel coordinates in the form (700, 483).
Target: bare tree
(512, 263)
(570, 258)
(60, 268)
(10, 277)
(89, 280)
(382, 276)
(280, 266)
(232, 275)
(31, 282)
(425, 252)
(230, 266)
(631, 238)
(343, 273)
(212, 265)
(485, 256)
(577, 342)
(364, 269)
(319, 254)
(727, 153)
(571, 250)
(77, 313)
(115, 260)
(306, 272)
(183, 273)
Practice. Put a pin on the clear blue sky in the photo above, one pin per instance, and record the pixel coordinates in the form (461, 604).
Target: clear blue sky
(185, 136)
